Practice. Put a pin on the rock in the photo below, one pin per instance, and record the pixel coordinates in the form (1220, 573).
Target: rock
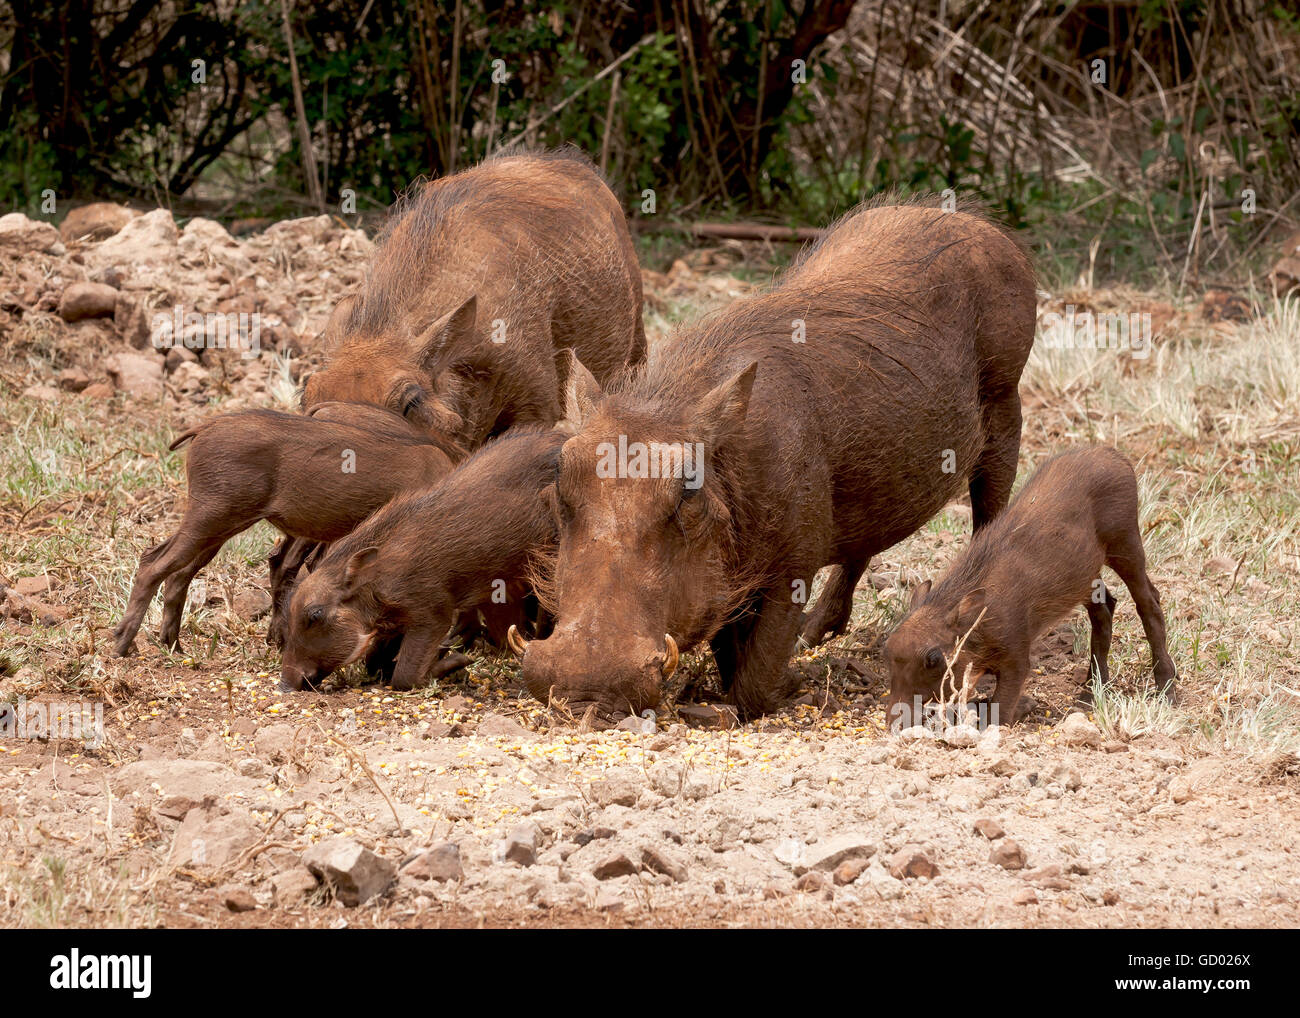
(195, 779)
(206, 240)
(811, 881)
(991, 829)
(18, 233)
(616, 865)
(1115, 746)
(32, 586)
(1064, 775)
(47, 614)
(210, 835)
(640, 726)
(1027, 896)
(192, 377)
(961, 736)
(174, 807)
(138, 374)
(660, 860)
(498, 725)
(97, 391)
(667, 779)
(707, 715)
(990, 740)
(441, 862)
(251, 767)
(1180, 789)
(1077, 730)
(355, 873)
(608, 901)
(697, 787)
(849, 870)
(178, 355)
(521, 844)
(911, 861)
(825, 856)
(87, 300)
(133, 323)
(916, 733)
(251, 603)
(615, 792)
(147, 239)
(42, 392)
(274, 743)
(97, 221)
(889, 888)
(293, 886)
(1009, 855)
(72, 379)
(237, 898)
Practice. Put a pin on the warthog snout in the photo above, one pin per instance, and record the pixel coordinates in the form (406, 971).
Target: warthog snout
(569, 666)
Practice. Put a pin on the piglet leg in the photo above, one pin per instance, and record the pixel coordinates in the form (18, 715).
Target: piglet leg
(1130, 563)
(1011, 680)
(418, 663)
(1100, 613)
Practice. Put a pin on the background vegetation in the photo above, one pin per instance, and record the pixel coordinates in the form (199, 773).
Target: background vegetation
(1148, 122)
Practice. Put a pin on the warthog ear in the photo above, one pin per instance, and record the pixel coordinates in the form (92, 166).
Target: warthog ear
(580, 388)
(919, 593)
(723, 409)
(451, 337)
(967, 611)
(337, 326)
(360, 569)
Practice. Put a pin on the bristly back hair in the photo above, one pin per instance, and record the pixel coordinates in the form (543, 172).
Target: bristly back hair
(421, 223)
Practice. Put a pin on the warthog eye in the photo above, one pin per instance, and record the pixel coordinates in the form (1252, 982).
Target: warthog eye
(412, 400)
(315, 615)
(933, 658)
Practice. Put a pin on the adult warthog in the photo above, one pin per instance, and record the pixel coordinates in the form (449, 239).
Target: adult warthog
(815, 425)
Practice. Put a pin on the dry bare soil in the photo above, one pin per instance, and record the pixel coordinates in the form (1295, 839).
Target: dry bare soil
(467, 804)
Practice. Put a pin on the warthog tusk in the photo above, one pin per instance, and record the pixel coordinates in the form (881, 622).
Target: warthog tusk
(517, 643)
(670, 662)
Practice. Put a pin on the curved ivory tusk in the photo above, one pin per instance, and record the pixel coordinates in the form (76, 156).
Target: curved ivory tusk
(517, 643)
(670, 661)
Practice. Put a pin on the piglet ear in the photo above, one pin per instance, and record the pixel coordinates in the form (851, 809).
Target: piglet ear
(337, 326)
(580, 389)
(450, 338)
(360, 570)
(919, 593)
(722, 410)
(967, 611)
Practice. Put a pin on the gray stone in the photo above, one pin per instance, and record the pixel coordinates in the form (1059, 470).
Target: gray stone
(441, 862)
(521, 844)
(355, 873)
(826, 855)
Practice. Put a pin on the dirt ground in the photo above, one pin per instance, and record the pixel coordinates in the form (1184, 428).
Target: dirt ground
(215, 800)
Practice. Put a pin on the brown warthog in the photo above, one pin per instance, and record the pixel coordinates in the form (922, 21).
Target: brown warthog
(310, 478)
(397, 581)
(817, 424)
(480, 279)
(1030, 568)
(291, 554)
